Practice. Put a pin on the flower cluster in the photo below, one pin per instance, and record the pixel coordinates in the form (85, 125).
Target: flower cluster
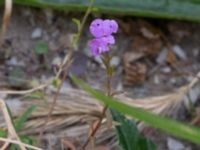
(102, 31)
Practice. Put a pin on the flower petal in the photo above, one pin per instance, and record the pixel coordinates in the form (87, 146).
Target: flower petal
(114, 26)
(109, 39)
(107, 30)
(96, 28)
(98, 46)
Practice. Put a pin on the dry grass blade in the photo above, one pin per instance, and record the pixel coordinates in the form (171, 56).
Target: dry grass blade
(6, 19)
(75, 111)
(23, 92)
(11, 130)
(19, 143)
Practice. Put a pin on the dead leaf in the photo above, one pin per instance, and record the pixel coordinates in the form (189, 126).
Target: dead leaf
(148, 30)
(171, 57)
(135, 73)
(132, 56)
(146, 46)
(101, 148)
(69, 144)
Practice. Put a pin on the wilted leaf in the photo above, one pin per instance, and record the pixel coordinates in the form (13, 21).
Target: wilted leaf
(147, 46)
(135, 73)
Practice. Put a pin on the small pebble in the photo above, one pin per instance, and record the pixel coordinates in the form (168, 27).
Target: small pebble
(56, 61)
(173, 80)
(162, 56)
(115, 61)
(37, 33)
(174, 144)
(194, 94)
(156, 80)
(98, 60)
(166, 69)
(196, 52)
(179, 52)
(15, 62)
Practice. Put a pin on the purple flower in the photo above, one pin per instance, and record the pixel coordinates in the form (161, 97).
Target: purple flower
(100, 27)
(98, 46)
(109, 27)
(102, 31)
(96, 28)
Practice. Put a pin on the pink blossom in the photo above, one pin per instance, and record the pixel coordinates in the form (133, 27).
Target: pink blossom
(102, 31)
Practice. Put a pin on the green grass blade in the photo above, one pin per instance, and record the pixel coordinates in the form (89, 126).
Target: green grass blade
(170, 126)
(22, 119)
(178, 9)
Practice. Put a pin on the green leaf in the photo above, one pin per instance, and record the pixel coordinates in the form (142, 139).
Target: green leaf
(27, 139)
(36, 94)
(56, 82)
(128, 134)
(179, 9)
(41, 47)
(77, 22)
(3, 133)
(14, 147)
(21, 120)
(168, 125)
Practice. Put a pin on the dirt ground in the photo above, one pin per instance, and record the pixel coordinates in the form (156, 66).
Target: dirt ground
(151, 57)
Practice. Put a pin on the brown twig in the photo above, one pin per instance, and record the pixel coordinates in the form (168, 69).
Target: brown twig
(56, 95)
(95, 129)
(65, 65)
(6, 19)
(109, 93)
(66, 62)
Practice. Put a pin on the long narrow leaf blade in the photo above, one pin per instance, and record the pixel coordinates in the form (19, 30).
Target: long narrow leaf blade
(20, 121)
(170, 126)
(179, 9)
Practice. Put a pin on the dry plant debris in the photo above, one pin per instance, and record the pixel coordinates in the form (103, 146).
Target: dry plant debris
(75, 110)
(6, 19)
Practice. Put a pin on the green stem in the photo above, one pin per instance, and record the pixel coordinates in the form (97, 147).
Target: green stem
(106, 60)
(83, 22)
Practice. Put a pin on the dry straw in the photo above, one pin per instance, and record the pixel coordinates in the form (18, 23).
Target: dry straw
(76, 110)
(6, 19)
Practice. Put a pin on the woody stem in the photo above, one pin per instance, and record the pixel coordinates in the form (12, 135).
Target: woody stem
(109, 71)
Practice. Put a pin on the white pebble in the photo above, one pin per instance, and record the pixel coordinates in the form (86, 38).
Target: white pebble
(174, 144)
(179, 52)
(162, 56)
(37, 33)
(166, 69)
(115, 61)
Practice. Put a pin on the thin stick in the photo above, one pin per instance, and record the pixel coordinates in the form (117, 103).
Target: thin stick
(11, 129)
(95, 129)
(65, 64)
(54, 102)
(109, 93)
(6, 19)
(26, 91)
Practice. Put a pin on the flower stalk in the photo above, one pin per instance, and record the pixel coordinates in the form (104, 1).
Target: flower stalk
(109, 70)
(102, 31)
